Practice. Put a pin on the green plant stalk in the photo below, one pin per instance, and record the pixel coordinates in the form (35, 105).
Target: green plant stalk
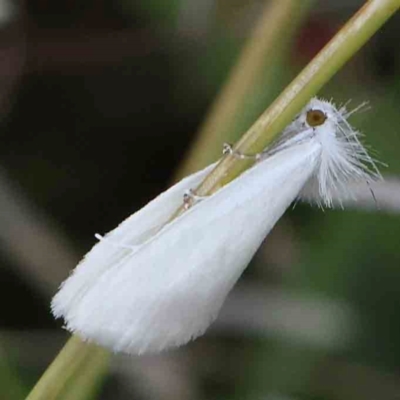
(87, 382)
(353, 35)
(335, 54)
(71, 359)
(277, 24)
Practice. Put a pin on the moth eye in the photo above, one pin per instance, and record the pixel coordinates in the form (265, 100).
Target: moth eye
(315, 118)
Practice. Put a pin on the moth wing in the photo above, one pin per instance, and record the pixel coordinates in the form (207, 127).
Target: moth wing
(133, 231)
(169, 290)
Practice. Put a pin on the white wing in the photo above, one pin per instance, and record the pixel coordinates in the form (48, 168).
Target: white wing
(171, 288)
(133, 231)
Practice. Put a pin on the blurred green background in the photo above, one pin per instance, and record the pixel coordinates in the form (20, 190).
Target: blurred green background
(100, 102)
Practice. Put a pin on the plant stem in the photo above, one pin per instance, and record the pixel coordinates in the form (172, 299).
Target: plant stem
(330, 59)
(277, 24)
(87, 381)
(71, 359)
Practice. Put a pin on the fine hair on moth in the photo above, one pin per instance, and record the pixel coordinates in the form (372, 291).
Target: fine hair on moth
(154, 283)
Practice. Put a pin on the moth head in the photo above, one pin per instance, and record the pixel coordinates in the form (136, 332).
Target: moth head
(319, 114)
(343, 158)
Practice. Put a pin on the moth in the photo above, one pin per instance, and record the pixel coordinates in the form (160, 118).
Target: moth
(152, 284)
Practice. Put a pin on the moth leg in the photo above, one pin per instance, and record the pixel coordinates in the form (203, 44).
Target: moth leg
(373, 195)
(228, 149)
(101, 238)
(190, 198)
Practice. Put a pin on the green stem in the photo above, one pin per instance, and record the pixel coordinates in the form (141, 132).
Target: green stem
(331, 58)
(277, 24)
(87, 381)
(72, 358)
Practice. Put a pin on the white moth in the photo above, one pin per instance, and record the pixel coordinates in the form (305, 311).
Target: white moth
(146, 286)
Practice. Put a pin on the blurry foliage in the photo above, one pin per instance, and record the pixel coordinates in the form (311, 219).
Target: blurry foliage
(86, 146)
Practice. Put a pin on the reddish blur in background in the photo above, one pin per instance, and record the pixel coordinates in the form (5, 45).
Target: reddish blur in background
(99, 103)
